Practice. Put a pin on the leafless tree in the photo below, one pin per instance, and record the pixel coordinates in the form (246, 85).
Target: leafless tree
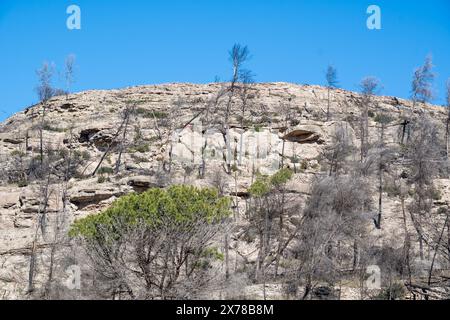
(337, 154)
(238, 55)
(45, 91)
(369, 87)
(40, 229)
(424, 152)
(333, 228)
(287, 118)
(422, 90)
(447, 123)
(245, 94)
(128, 112)
(69, 72)
(122, 129)
(332, 83)
(385, 156)
(270, 203)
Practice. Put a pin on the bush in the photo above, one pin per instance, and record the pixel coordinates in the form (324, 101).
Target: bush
(48, 127)
(142, 148)
(383, 119)
(396, 292)
(258, 128)
(263, 184)
(17, 153)
(436, 194)
(105, 170)
(22, 184)
(145, 113)
(86, 155)
(157, 230)
(178, 204)
(139, 159)
(304, 165)
(103, 179)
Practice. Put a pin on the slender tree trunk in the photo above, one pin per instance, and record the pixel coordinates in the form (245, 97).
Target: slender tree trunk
(227, 259)
(203, 165)
(119, 158)
(363, 139)
(280, 233)
(380, 179)
(430, 273)
(421, 248)
(355, 255)
(446, 137)
(328, 106)
(41, 138)
(236, 211)
(407, 242)
(404, 124)
(39, 226)
(448, 240)
(109, 147)
(27, 139)
(227, 119)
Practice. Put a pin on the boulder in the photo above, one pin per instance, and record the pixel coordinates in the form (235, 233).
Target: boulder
(312, 134)
(143, 182)
(87, 193)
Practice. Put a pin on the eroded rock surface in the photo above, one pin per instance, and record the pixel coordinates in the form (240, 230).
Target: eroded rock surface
(164, 146)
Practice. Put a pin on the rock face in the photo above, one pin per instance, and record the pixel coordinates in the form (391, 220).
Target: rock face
(163, 145)
(305, 134)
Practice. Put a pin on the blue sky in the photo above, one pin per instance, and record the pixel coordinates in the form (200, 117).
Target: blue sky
(127, 43)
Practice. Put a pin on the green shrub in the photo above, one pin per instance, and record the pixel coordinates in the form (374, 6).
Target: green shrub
(103, 179)
(86, 155)
(22, 183)
(160, 115)
(264, 184)
(295, 159)
(48, 127)
(17, 153)
(258, 128)
(436, 194)
(170, 230)
(138, 159)
(383, 118)
(141, 148)
(260, 187)
(304, 165)
(391, 189)
(145, 113)
(177, 206)
(105, 170)
(281, 177)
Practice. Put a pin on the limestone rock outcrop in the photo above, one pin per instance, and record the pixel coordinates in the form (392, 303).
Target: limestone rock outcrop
(164, 146)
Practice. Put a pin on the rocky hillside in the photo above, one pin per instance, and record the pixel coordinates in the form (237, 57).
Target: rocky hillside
(100, 145)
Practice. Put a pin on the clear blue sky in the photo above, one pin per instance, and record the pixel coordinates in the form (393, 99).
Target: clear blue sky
(127, 43)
